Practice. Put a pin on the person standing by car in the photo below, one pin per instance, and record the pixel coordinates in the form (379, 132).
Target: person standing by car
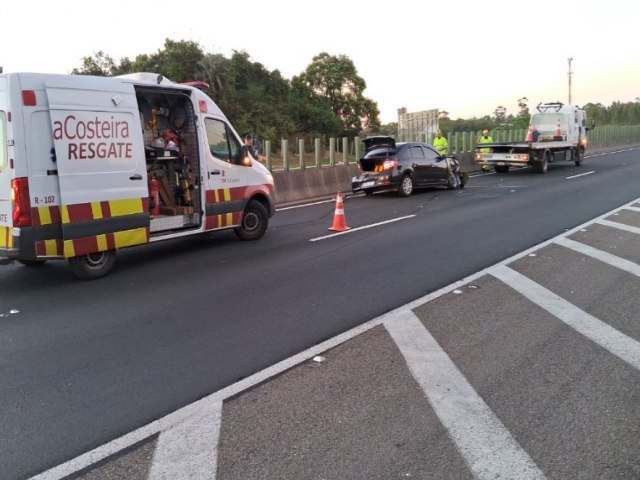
(485, 138)
(440, 143)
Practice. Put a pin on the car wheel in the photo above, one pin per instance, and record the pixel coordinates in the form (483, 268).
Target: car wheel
(255, 220)
(368, 191)
(93, 265)
(453, 181)
(406, 186)
(32, 263)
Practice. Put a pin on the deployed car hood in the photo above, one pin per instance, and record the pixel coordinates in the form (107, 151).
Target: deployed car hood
(379, 141)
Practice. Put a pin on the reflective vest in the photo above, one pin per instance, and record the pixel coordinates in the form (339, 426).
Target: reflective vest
(486, 139)
(441, 145)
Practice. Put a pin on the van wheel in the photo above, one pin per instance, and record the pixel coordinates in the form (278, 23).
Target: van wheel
(255, 220)
(93, 265)
(32, 263)
(406, 186)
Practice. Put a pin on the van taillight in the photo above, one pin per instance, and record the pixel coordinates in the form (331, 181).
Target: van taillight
(21, 202)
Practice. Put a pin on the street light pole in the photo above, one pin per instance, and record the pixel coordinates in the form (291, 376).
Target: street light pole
(570, 73)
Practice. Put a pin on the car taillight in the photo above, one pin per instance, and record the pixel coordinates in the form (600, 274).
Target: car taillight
(389, 164)
(21, 202)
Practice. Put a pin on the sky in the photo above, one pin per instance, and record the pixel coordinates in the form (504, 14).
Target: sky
(463, 57)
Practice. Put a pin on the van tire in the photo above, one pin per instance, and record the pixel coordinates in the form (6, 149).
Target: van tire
(32, 263)
(255, 220)
(92, 265)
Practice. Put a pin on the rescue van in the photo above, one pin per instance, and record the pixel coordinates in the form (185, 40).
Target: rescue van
(90, 165)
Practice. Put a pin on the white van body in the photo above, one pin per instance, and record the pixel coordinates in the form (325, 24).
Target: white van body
(82, 157)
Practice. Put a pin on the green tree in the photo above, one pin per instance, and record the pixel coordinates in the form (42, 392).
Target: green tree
(336, 78)
(100, 64)
(523, 117)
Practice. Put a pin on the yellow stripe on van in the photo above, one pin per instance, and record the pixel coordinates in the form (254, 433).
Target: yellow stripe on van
(6, 237)
(229, 219)
(96, 210)
(128, 238)
(127, 206)
(217, 197)
(227, 195)
(64, 214)
(45, 215)
(102, 242)
(68, 249)
(50, 248)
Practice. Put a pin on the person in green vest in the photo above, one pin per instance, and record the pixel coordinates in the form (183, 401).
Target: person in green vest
(440, 143)
(485, 138)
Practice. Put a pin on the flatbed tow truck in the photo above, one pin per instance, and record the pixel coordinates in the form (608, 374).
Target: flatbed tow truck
(557, 132)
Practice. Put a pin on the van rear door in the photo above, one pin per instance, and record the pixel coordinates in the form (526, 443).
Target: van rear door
(6, 221)
(101, 165)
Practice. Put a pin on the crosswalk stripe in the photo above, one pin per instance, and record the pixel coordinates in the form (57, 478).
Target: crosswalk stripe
(596, 330)
(487, 446)
(189, 449)
(605, 257)
(619, 226)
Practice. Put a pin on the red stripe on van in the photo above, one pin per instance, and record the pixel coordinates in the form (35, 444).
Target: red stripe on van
(80, 212)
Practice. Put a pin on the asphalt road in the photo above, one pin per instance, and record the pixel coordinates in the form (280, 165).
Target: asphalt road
(83, 363)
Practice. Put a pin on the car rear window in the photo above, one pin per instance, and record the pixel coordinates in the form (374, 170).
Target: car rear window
(380, 152)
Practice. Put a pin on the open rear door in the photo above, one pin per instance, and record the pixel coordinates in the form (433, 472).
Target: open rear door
(101, 164)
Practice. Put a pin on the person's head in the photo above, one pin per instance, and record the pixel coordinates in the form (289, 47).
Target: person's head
(485, 133)
(438, 133)
(248, 140)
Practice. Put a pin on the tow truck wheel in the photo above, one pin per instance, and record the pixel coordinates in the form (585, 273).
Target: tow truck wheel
(541, 166)
(93, 265)
(254, 221)
(32, 263)
(578, 156)
(502, 168)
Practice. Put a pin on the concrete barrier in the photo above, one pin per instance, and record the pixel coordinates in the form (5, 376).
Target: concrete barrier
(297, 186)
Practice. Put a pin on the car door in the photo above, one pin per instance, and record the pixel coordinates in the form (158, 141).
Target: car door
(438, 166)
(226, 179)
(419, 164)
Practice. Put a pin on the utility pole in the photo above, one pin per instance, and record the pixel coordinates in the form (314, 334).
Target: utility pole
(570, 73)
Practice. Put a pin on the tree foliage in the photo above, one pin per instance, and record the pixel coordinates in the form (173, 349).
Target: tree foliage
(327, 98)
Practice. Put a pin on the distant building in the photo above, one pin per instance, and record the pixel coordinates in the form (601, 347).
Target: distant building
(413, 126)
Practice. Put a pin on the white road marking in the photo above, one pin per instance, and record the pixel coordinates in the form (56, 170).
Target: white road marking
(189, 449)
(361, 228)
(635, 209)
(305, 205)
(591, 327)
(580, 175)
(481, 438)
(605, 257)
(619, 226)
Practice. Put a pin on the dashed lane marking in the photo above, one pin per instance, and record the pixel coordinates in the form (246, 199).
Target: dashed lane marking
(364, 227)
(487, 446)
(580, 175)
(591, 327)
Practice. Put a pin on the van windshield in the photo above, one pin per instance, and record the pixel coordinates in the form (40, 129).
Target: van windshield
(3, 141)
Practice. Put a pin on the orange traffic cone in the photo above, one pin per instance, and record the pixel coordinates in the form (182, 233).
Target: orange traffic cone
(339, 222)
(529, 135)
(558, 132)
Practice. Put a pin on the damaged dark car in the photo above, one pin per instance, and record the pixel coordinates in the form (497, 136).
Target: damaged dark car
(404, 166)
